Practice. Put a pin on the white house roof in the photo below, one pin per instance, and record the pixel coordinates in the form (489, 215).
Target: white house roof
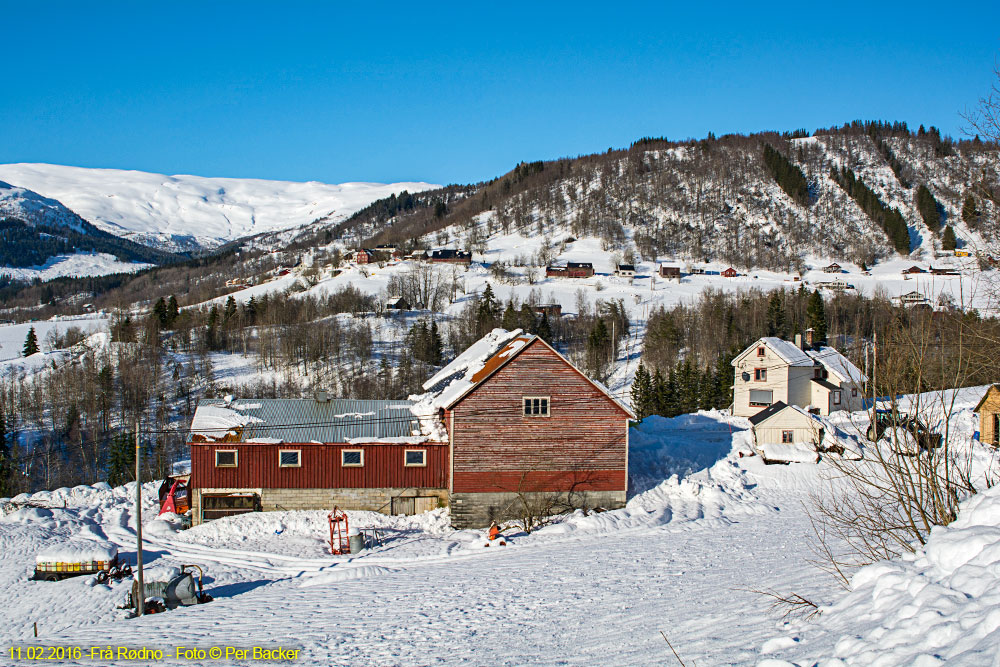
(788, 352)
(838, 365)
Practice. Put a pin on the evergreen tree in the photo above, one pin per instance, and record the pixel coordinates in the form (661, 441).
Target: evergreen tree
(598, 349)
(488, 312)
(776, 323)
(970, 216)
(435, 347)
(643, 400)
(660, 398)
(544, 329)
(160, 312)
(948, 240)
(173, 310)
(816, 317)
(527, 320)
(30, 343)
(929, 208)
(787, 175)
(230, 310)
(121, 459)
(509, 319)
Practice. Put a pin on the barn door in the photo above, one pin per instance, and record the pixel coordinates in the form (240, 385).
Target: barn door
(402, 506)
(424, 504)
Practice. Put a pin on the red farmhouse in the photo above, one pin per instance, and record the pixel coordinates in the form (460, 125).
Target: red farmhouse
(509, 421)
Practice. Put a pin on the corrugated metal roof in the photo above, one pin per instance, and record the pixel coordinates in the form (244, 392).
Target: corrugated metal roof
(309, 420)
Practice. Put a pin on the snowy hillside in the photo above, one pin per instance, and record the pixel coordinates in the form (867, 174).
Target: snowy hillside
(181, 212)
(27, 205)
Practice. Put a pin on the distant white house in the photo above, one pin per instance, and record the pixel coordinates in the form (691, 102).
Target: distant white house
(625, 270)
(787, 433)
(911, 299)
(814, 377)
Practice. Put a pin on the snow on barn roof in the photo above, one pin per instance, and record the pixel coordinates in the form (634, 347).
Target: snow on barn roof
(838, 364)
(303, 420)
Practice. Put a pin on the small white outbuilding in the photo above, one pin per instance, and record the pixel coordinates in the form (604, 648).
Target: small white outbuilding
(787, 433)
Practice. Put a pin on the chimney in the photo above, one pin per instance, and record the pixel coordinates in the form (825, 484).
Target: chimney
(322, 396)
(798, 340)
(809, 336)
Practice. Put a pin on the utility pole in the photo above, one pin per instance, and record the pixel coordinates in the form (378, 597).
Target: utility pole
(140, 601)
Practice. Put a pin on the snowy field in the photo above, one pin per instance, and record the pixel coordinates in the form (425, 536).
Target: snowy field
(77, 264)
(703, 529)
(12, 337)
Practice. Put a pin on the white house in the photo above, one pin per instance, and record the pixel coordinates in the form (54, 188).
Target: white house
(787, 433)
(773, 370)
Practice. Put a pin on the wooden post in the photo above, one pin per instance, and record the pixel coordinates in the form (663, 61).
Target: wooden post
(140, 601)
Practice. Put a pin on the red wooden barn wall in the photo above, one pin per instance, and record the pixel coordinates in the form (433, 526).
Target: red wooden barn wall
(582, 446)
(321, 469)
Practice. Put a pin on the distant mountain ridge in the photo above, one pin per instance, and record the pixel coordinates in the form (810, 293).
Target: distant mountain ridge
(34, 229)
(180, 213)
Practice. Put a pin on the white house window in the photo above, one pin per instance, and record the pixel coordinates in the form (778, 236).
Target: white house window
(788, 437)
(854, 391)
(536, 406)
(225, 458)
(415, 458)
(761, 352)
(760, 374)
(290, 458)
(760, 398)
(836, 397)
(352, 458)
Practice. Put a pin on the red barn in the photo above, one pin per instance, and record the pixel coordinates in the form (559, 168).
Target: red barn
(571, 270)
(730, 273)
(509, 421)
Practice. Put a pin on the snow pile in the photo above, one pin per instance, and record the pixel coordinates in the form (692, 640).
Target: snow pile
(214, 422)
(789, 452)
(338, 575)
(79, 551)
(941, 604)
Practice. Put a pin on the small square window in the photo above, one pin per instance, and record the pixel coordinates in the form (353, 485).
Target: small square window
(854, 391)
(415, 458)
(787, 437)
(761, 352)
(760, 374)
(352, 458)
(225, 458)
(536, 406)
(289, 458)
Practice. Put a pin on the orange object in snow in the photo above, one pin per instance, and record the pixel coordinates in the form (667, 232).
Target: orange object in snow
(175, 497)
(494, 532)
(340, 544)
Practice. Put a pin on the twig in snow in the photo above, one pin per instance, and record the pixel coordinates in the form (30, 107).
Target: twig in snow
(674, 650)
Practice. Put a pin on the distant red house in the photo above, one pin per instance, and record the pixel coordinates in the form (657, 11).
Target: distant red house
(670, 272)
(570, 270)
(913, 269)
(449, 256)
(509, 416)
(730, 273)
(364, 256)
(550, 310)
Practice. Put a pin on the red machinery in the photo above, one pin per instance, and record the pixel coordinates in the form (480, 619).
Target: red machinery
(340, 544)
(174, 496)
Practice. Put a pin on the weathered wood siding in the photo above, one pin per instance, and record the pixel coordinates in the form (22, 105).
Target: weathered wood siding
(582, 446)
(257, 467)
(988, 417)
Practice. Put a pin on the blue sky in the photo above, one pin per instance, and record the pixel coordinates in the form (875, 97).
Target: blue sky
(460, 93)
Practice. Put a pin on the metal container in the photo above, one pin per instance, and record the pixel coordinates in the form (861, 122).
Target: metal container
(357, 543)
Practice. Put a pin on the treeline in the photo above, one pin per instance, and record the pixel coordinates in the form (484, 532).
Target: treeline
(887, 217)
(23, 244)
(787, 175)
(929, 208)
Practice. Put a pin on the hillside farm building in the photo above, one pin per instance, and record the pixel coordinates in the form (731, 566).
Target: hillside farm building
(670, 272)
(509, 419)
(832, 268)
(449, 256)
(989, 416)
(730, 273)
(570, 270)
(625, 270)
(786, 433)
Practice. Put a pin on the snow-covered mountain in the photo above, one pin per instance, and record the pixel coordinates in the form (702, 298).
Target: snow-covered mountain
(33, 208)
(187, 212)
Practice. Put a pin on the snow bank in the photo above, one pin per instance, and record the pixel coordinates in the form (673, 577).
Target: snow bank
(789, 452)
(941, 604)
(77, 552)
(346, 574)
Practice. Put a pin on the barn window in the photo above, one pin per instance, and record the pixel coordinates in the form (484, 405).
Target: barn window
(536, 406)
(836, 398)
(415, 458)
(352, 458)
(760, 398)
(761, 352)
(290, 458)
(787, 437)
(225, 458)
(760, 374)
(854, 391)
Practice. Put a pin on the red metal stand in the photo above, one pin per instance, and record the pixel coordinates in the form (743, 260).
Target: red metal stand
(339, 542)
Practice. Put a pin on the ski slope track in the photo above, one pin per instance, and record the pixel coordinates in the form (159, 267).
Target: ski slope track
(184, 212)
